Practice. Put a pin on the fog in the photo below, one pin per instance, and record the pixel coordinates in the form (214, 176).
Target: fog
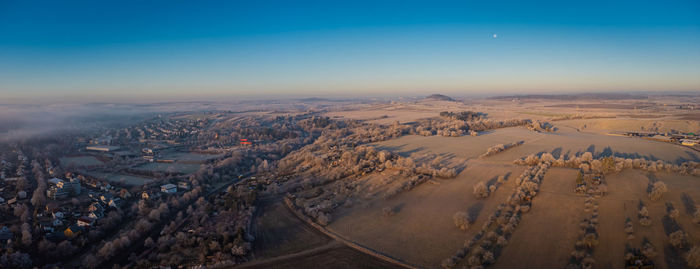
(28, 121)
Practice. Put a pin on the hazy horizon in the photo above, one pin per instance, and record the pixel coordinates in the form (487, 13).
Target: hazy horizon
(91, 51)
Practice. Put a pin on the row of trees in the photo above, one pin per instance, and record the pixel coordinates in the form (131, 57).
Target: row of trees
(484, 247)
(500, 148)
(608, 165)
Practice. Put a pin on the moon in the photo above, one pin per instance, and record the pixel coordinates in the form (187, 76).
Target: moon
(495, 35)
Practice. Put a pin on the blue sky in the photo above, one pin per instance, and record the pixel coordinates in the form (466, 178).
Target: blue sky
(150, 49)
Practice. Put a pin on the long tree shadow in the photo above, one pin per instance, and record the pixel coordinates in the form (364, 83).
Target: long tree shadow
(474, 211)
(688, 204)
(557, 152)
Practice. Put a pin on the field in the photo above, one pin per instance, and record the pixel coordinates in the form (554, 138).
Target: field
(189, 157)
(80, 161)
(284, 241)
(421, 230)
(170, 167)
(426, 233)
(121, 178)
(278, 232)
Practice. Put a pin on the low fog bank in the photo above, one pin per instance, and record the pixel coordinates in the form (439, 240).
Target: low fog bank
(29, 121)
(21, 121)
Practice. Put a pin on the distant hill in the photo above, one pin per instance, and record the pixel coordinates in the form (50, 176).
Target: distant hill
(584, 96)
(439, 97)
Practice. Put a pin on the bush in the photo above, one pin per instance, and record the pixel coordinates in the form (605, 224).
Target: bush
(657, 191)
(648, 250)
(644, 218)
(674, 213)
(480, 190)
(449, 263)
(388, 211)
(323, 218)
(678, 239)
(693, 257)
(461, 220)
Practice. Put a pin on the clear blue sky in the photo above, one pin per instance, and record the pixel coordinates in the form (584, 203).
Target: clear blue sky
(145, 49)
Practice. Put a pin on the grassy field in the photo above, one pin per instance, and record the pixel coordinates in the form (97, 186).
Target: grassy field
(80, 161)
(170, 167)
(422, 231)
(278, 232)
(189, 157)
(340, 257)
(124, 179)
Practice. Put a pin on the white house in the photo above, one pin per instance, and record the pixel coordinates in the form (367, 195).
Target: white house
(168, 188)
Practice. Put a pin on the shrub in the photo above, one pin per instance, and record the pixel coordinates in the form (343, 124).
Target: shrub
(648, 250)
(461, 220)
(678, 239)
(480, 190)
(388, 211)
(323, 218)
(674, 213)
(449, 263)
(693, 257)
(657, 191)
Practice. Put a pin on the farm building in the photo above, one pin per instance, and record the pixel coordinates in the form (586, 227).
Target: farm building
(102, 148)
(168, 188)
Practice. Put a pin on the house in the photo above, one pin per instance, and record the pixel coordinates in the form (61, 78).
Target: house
(106, 198)
(95, 206)
(46, 226)
(116, 202)
(55, 181)
(61, 189)
(85, 221)
(58, 215)
(5, 234)
(168, 188)
(96, 215)
(73, 230)
(183, 185)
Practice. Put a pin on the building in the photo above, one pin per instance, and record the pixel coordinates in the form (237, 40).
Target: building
(102, 148)
(85, 222)
(183, 185)
(168, 188)
(689, 142)
(61, 189)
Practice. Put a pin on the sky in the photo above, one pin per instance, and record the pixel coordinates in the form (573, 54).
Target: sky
(102, 50)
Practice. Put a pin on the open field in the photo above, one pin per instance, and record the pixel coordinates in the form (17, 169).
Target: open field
(426, 234)
(121, 178)
(80, 161)
(278, 232)
(189, 157)
(170, 167)
(422, 231)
